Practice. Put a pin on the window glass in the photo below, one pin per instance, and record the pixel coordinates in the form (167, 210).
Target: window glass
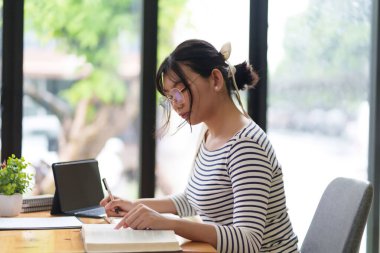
(1, 54)
(318, 60)
(81, 88)
(218, 22)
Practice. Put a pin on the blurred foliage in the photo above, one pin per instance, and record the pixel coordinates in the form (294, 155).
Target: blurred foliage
(89, 29)
(326, 63)
(97, 81)
(169, 11)
(94, 29)
(168, 14)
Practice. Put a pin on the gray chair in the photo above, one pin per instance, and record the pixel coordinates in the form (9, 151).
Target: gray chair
(340, 218)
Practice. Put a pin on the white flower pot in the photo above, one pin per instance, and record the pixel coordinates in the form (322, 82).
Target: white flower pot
(10, 205)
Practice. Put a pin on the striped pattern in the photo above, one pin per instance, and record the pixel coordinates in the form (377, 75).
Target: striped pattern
(239, 188)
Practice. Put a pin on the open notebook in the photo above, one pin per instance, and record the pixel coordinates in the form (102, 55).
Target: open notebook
(104, 238)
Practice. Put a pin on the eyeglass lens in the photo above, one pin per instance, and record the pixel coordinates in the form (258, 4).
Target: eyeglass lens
(175, 95)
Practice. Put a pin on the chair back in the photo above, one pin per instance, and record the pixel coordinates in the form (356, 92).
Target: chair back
(340, 218)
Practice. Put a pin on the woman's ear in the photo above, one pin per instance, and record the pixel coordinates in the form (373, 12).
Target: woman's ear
(217, 80)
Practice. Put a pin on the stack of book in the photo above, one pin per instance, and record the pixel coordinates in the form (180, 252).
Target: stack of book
(37, 203)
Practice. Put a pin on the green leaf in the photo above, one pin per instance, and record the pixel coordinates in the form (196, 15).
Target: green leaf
(13, 178)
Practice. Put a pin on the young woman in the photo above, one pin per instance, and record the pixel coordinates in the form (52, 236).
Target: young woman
(236, 185)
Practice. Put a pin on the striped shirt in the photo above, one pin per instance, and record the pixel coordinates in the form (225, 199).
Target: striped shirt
(239, 189)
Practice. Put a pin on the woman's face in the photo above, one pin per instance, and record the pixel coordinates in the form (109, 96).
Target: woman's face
(179, 96)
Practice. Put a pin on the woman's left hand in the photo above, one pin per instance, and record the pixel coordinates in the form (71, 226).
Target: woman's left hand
(142, 217)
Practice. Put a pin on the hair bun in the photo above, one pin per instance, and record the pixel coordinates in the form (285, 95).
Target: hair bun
(245, 76)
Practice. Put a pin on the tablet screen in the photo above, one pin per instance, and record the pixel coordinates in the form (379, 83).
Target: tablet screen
(78, 184)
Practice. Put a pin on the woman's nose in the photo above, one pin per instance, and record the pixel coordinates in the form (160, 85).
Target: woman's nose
(177, 107)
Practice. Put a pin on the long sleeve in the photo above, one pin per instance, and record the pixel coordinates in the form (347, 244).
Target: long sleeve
(239, 188)
(182, 205)
(251, 176)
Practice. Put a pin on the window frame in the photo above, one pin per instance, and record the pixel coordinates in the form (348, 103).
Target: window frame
(12, 93)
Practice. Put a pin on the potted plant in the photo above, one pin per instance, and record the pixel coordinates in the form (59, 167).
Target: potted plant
(14, 181)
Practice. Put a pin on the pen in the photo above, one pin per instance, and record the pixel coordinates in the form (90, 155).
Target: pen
(107, 219)
(109, 193)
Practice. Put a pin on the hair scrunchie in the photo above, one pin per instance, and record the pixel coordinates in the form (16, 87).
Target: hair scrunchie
(226, 52)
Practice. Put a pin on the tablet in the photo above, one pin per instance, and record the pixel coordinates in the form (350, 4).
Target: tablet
(78, 188)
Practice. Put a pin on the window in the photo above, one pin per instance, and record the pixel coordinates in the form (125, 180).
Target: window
(318, 58)
(81, 88)
(1, 48)
(229, 23)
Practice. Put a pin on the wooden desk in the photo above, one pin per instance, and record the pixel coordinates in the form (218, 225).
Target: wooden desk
(62, 240)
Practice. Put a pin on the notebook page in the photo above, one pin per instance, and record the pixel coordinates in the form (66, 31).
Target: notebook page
(40, 223)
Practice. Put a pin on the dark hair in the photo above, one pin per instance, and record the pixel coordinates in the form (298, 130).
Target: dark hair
(202, 58)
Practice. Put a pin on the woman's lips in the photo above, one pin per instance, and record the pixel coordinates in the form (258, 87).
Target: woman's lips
(184, 115)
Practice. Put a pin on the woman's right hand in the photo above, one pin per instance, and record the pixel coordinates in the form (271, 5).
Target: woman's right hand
(116, 207)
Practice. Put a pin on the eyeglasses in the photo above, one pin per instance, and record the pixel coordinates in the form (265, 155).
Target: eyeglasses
(175, 96)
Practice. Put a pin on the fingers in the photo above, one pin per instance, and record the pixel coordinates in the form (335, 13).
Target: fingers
(111, 205)
(139, 218)
(116, 208)
(121, 224)
(105, 201)
(113, 213)
(138, 224)
(134, 219)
